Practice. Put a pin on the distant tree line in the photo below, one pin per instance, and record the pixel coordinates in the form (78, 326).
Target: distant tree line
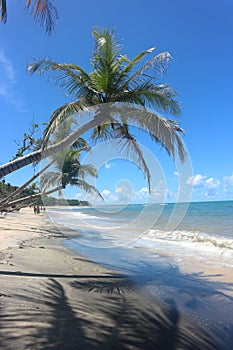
(31, 193)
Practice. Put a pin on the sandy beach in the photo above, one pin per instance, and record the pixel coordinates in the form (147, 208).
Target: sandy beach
(51, 298)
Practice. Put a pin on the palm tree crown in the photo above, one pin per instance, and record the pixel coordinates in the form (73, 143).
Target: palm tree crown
(69, 171)
(67, 168)
(115, 78)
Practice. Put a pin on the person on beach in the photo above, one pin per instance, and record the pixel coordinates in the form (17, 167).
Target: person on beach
(36, 209)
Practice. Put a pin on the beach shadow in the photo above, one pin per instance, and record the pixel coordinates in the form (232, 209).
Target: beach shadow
(113, 311)
(54, 275)
(208, 302)
(96, 314)
(141, 322)
(42, 320)
(148, 272)
(190, 290)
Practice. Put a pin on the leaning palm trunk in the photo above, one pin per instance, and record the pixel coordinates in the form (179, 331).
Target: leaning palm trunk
(88, 188)
(51, 150)
(161, 130)
(32, 197)
(6, 200)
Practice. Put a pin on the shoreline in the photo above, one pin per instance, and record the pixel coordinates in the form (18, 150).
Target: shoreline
(51, 297)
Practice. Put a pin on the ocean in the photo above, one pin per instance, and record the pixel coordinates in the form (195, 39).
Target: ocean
(153, 243)
(178, 231)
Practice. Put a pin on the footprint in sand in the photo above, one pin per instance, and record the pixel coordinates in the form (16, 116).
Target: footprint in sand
(4, 295)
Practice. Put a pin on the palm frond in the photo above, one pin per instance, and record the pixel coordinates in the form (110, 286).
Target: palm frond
(158, 63)
(104, 132)
(70, 77)
(107, 50)
(131, 65)
(59, 115)
(125, 141)
(44, 12)
(87, 169)
(44, 65)
(86, 187)
(107, 62)
(163, 131)
(69, 171)
(49, 179)
(3, 11)
(81, 144)
(162, 97)
(64, 129)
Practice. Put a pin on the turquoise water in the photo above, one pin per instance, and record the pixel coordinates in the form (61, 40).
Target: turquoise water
(182, 229)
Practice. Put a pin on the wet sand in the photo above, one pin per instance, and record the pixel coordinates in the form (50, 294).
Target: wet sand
(52, 298)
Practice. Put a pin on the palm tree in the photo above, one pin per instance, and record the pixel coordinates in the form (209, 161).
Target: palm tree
(115, 81)
(4, 202)
(68, 171)
(43, 11)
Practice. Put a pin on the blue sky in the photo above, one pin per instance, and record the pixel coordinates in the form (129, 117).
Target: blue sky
(197, 33)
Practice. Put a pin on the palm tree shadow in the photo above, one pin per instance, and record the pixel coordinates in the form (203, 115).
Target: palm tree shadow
(195, 291)
(94, 314)
(65, 327)
(139, 321)
(194, 287)
(43, 318)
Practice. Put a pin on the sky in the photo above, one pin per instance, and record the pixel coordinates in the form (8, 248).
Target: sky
(198, 34)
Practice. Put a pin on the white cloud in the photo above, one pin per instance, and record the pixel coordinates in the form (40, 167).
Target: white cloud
(141, 195)
(202, 181)
(7, 68)
(106, 193)
(124, 192)
(109, 165)
(157, 194)
(79, 195)
(143, 190)
(228, 180)
(109, 196)
(7, 75)
(210, 188)
(212, 183)
(204, 188)
(8, 81)
(197, 180)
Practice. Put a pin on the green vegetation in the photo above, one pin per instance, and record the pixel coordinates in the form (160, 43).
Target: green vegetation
(67, 168)
(6, 189)
(50, 201)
